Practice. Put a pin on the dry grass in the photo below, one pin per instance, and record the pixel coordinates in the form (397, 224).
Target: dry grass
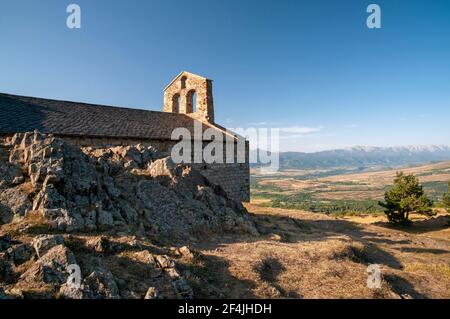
(297, 255)
(305, 255)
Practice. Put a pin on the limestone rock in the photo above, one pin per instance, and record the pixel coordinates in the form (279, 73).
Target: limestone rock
(102, 285)
(64, 220)
(185, 252)
(152, 293)
(52, 267)
(13, 202)
(146, 257)
(164, 261)
(43, 243)
(105, 220)
(99, 244)
(20, 253)
(96, 190)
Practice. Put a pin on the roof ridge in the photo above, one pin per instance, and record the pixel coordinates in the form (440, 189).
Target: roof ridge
(78, 103)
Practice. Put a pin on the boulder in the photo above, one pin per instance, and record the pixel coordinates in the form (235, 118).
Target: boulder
(43, 243)
(101, 285)
(164, 261)
(146, 257)
(51, 268)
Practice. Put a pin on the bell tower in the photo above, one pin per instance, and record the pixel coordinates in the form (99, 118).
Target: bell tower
(190, 94)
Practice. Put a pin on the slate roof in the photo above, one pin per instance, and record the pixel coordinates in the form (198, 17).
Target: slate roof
(24, 114)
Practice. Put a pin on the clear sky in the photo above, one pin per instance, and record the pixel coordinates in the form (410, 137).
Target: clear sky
(312, 68)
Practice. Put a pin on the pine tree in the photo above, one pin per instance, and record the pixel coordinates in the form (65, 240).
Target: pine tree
(405, 197)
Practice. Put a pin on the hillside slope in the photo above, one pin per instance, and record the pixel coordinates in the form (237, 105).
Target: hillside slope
(308, 255)
(63, 207)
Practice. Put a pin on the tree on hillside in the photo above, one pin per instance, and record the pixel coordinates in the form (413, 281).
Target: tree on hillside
(446, 199)
(405, 197)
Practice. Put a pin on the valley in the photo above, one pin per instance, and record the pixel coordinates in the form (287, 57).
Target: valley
(341, 191)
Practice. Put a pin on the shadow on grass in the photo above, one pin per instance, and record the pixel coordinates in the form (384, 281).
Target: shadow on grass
(268, 270)
(403, 287)
(420, 226)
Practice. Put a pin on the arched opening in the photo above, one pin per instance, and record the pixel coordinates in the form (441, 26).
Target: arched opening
(176, 103)
(183, 82)
(191, 101)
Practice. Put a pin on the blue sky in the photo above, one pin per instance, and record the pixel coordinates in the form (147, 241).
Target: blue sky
(311, 67)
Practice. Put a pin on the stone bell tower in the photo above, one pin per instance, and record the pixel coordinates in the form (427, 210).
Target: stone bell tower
(190, 94)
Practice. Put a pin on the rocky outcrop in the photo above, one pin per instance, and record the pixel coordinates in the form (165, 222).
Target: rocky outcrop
(99, 190)
(67, 206)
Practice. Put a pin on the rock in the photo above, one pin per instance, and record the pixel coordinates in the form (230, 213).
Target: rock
(183, 289)
(90, 190)
(70, 292)
(51, 267)
(152, 293)
(13, 203)
(102, 285)
(172, 273)
(10, 173)
(105, 220)
(6, 268)
(3, 295)
(146, 257)
(20, 253)
(185, 252)
(63, 220)
(98, 244)
(43, 243)
(5, 242)
(275, 237)
(90, 221)
(163, 169)
(164, 261)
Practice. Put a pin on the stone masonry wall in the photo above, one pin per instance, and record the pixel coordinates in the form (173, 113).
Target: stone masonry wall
(178, 97)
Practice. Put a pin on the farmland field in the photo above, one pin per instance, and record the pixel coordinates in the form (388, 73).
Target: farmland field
(341, 191)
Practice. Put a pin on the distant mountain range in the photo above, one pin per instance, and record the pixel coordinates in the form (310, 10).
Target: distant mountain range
(365, 157)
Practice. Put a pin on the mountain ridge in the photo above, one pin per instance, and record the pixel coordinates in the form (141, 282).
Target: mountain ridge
(365, 156)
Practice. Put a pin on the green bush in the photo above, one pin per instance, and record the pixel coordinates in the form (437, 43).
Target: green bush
(406, 196)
